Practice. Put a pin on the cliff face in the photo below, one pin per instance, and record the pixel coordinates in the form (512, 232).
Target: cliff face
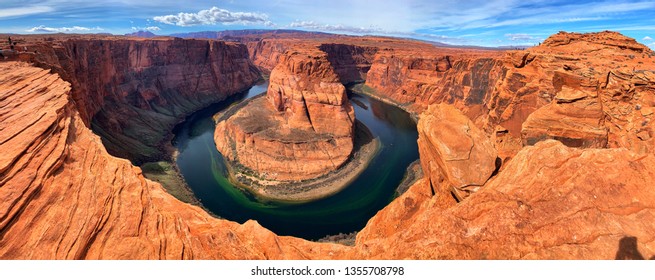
(350, 62)
(306, 88)
(133, 91)
(548, 200)
(458, 157)
(416, 79)
(266, 53)
(305, 130)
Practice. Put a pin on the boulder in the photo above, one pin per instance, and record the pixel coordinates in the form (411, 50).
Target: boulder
(450, 145)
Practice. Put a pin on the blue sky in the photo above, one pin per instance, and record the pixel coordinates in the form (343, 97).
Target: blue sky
(485, 23)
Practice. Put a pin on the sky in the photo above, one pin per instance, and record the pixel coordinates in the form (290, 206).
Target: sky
(473, 22)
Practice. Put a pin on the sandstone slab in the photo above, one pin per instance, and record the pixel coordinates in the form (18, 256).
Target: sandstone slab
(450, 144)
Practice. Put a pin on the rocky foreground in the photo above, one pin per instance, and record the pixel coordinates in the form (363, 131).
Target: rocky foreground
(560, 138)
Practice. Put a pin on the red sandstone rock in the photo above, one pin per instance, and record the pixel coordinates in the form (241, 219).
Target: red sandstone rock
(458, 156)
(305, 130)
(550, 202)
(62, 196)
(134, 91)
(305, 87)
(492, 89)
(572, 118)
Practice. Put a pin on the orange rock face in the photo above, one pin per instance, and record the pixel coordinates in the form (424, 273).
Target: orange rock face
(306, 89)
(305, 130)
(62, 196)
(573, 119)
(550, 202)
(134, 91)
(458, 156)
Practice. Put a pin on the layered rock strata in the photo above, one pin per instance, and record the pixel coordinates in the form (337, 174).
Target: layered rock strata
(302, 129)
(62, 196)
(134, 91)
(550, 202)
(572, 118)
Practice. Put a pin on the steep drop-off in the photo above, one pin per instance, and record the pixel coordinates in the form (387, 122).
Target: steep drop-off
(134, 91)
(62, 196)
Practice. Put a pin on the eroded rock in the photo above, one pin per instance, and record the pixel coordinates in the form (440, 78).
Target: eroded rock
(573, 119)
(550, 202)
(63, 197)
(301, 130)
(450, 145)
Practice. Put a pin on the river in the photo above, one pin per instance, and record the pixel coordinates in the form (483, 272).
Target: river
(202, 167)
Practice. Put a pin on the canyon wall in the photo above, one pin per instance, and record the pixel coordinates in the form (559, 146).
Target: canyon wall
(350, 62)
(133, 92)
(266, 53)
(62, 196)
(547, 200)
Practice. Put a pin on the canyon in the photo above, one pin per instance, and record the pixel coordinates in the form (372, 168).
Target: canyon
(543, 153)
(132, 92)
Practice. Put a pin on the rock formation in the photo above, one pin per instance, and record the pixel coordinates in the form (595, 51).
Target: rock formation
(550, 202)
(62, 196)
(458, 156)
(134, 91)
(350, 62)
(304, 128)
(572, 118)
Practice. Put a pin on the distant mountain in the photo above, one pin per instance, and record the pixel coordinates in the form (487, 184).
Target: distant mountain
(142, 34)
(234, 34)
(514, 47)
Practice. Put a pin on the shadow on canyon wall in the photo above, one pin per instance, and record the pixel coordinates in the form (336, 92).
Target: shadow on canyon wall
(628, 249)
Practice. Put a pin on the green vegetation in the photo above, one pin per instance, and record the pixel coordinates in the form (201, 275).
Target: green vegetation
(347, 239)
(413, 173)
(167, 175)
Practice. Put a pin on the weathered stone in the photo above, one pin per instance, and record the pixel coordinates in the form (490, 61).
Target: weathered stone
(303, 129)
(63, 197)
(578, 123)
(450, 144)
(550, 202)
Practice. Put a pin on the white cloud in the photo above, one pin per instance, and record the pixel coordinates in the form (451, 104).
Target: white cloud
(149, 28)
(23, 11)
(522, 37)
(74, 29)
(463, 15)
(647, 38)
(338, 28)
(335, 28)
(213, 16)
